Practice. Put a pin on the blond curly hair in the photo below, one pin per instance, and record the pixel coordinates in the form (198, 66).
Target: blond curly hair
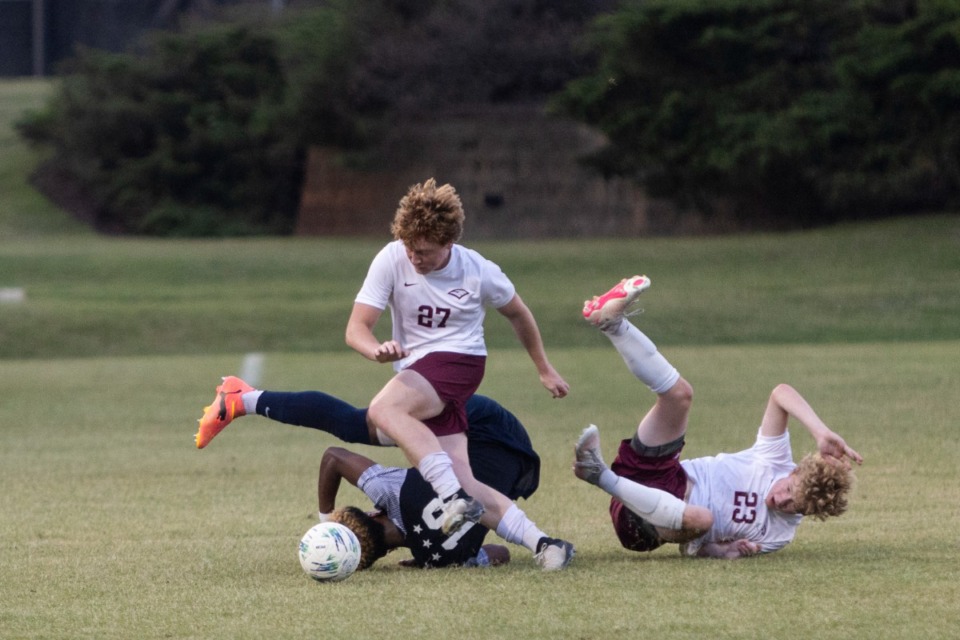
(821, 487)
(369, 532)
(429, 212)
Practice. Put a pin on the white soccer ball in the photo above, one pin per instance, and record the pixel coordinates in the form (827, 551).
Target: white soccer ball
(329, 552)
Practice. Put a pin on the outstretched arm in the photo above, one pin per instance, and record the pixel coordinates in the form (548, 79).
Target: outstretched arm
(729, 550)
(784, 402)
(338, 463)
(525, 326)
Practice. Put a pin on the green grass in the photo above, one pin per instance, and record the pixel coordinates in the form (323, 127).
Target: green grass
(888, 281)
(115, 526)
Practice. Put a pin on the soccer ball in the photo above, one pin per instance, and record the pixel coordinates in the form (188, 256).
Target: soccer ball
(329, 552)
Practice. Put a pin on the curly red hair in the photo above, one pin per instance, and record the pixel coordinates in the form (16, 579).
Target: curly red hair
(821, 487)
(429, 212)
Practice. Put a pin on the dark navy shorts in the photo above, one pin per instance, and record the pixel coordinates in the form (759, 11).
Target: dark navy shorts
(455, 377)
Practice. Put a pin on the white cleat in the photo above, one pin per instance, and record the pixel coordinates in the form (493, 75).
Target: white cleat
(588, 464)
(554, 554)
(457, 511)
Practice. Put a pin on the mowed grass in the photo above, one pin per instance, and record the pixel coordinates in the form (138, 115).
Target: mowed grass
(115, 526)
(93, 296)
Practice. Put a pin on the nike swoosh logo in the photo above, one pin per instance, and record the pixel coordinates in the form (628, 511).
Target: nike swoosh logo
(410, 284)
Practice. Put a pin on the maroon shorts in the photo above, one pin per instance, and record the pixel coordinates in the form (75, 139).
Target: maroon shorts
(658, 472)
(455, 377)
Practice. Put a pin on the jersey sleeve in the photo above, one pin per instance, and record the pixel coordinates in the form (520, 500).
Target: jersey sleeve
(382, 485)
(378, 285)
(498, 289)
(774, 452)
(769, 546)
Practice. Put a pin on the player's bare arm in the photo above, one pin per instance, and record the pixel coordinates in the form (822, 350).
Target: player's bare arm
(784, 402)
(338, 463)
(729, 550)
(361, 338)
(525, 326)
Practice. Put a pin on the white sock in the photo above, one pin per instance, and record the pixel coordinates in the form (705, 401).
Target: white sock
(250, 399)
(515, 527)
(437, 469)
(642, 357)
(657, 507)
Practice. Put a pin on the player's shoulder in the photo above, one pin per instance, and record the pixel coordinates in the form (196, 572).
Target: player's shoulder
(471, 256)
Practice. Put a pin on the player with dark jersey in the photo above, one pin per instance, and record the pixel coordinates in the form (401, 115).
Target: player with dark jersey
(410, 503)
(408, 514)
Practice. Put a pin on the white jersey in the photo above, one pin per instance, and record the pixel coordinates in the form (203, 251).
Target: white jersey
(734, 487)
(439, 311)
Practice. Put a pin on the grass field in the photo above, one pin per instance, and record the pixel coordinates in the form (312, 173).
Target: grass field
(115, 526)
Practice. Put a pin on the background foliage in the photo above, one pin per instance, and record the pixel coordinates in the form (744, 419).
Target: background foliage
(204, 132)
(770, 113)
(188, 139)
(790, 111)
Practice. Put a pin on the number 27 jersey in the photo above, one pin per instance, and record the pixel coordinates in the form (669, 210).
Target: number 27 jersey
(439, 311)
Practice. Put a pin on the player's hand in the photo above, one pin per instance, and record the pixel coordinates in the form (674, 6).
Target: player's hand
(497, 554)
(390, 351)
(729, 550)
(745, 548)
(555, 384)
(833, 448)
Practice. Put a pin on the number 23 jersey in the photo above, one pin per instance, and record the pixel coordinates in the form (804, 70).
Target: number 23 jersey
(439, 311)
(734, 487)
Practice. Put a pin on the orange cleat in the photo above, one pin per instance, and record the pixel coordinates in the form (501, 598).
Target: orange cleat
(225, 407)
(606, 311)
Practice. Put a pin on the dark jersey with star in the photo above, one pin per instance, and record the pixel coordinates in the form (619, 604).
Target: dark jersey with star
(420, 509)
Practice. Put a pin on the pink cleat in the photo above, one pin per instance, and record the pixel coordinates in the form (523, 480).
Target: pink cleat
(606, 311)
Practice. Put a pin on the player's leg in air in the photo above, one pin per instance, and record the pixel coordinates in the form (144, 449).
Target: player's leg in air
(646, 481)
(312, 409)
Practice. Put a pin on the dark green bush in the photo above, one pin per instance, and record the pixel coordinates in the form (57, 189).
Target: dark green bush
(194, 126)
(204, 132)
(787, 112)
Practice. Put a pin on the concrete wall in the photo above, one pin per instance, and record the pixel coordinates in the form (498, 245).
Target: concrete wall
(515, 169)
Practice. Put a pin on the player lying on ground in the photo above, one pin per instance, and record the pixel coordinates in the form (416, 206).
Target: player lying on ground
(497, 440)
(725, 506)
(408, 514)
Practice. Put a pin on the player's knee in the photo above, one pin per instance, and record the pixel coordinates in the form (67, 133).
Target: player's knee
(378, 414)
(697, 518)
(680, 394)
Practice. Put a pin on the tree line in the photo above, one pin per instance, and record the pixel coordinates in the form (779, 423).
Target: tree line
(779, 113)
